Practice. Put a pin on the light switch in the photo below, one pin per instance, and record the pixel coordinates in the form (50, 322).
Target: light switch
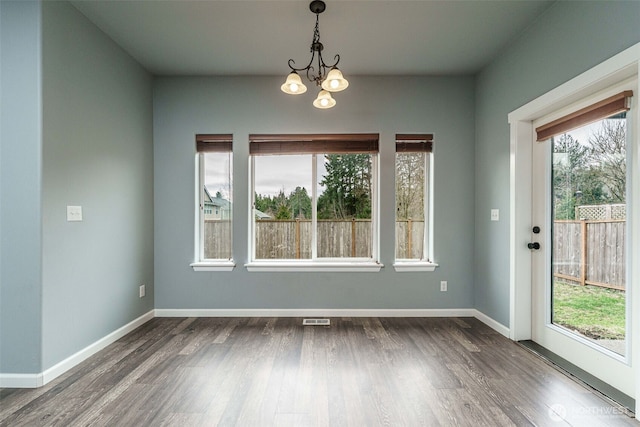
(495, 214)
(74, 213)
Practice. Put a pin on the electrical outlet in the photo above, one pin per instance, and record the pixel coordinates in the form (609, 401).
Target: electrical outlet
(495, 214)
(142, 291)
(443, 286)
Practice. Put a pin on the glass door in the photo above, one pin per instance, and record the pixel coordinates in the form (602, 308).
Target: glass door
(580, 248)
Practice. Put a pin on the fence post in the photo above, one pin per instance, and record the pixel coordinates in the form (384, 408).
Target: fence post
(583, 254)
(409, 237)
(297, 238)
(353, 237)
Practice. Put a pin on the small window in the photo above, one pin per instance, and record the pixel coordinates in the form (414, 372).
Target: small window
(413, 180)
(215, 200)
(323, 210)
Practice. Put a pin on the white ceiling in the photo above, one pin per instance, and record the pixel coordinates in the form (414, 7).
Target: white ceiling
(375, 37)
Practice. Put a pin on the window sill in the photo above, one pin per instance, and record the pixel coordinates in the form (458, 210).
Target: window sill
(213, 265)
(411, 266)
(293, 266)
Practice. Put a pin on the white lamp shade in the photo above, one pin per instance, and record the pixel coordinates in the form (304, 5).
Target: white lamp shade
(335, 82)
(293, 85)
(324, 100)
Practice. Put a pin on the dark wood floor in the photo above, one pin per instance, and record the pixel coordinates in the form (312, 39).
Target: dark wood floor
(276, 372)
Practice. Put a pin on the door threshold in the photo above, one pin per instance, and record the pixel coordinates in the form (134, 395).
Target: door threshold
(627, 403)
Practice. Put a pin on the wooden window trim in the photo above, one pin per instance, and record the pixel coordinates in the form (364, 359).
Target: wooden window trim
(265, 144)
(600, 110)
(414, 143)
(210, 143)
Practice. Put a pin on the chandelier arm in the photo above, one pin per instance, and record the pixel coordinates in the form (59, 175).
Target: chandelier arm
(335, 64)
(322, 73)
(291, 61)
(310, 76)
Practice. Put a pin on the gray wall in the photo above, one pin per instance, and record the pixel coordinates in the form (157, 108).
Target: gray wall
(98, 153)
(244, 105)
(76, 130)
(20, 188)
(568, 39)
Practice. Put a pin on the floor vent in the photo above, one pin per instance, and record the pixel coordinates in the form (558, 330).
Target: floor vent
(316, 322)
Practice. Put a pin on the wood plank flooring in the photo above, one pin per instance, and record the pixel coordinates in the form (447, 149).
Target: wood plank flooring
(276, 372)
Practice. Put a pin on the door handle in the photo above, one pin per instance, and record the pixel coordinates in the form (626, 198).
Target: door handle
(533, 245)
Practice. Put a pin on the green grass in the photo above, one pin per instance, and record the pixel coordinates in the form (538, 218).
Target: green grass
(594, 312)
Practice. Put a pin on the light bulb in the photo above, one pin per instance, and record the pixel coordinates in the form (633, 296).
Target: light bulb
(293, 87)
(324, 102)
(334, 83)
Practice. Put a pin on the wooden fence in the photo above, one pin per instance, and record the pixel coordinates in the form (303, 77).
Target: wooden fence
(590, 252)
(409, 239)
(217, 239)
(291, 239)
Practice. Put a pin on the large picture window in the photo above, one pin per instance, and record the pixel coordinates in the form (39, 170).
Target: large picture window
(215, 202)
(413, 205)
(314, 200)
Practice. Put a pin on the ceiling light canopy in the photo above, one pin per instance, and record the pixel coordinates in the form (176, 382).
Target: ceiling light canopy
(328, 77)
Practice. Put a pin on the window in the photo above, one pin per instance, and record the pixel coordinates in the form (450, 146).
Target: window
(413, 202)
(314, 202)
(214, 203)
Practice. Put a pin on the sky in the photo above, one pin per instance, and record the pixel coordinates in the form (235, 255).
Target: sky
(273, 173)
(582, 133)
(218, 174)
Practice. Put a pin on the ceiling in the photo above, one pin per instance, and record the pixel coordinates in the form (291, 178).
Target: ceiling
(375, 37)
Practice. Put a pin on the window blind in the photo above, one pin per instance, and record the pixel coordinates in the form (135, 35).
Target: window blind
(208, 143)
(600, 110)
(265, 144)
(414, 143)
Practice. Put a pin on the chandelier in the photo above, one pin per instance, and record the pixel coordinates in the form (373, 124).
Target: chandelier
(328, 77)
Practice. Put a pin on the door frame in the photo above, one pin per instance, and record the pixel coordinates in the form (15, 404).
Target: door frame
(620, 67)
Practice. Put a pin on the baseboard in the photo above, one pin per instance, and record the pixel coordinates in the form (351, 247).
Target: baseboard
(40, 379)
(75, 359)
(316, 312)
(21, 380)
(493, 324)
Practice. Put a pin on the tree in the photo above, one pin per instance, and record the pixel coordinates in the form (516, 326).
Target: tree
(265, 204)
(281, 206)
(608, 151)
(569, 160)
(590, 173)
(300, 203)
(410, 185)
(347, 185)
(574, 177)
(283, 212)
